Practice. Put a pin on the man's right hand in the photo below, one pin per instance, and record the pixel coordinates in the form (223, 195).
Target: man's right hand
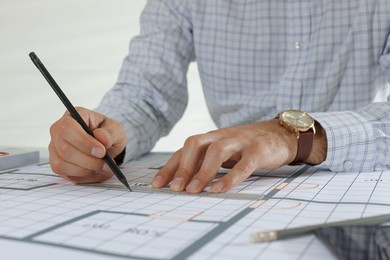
(77, 156)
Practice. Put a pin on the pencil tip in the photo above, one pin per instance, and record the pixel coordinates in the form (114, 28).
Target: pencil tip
(127, 185)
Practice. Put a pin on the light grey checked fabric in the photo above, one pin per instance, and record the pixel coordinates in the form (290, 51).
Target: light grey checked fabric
(357, 242)
(256, 58)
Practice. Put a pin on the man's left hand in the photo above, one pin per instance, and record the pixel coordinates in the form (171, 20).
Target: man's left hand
(244, 148)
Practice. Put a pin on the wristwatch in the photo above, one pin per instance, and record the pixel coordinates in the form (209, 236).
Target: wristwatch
(302, 124)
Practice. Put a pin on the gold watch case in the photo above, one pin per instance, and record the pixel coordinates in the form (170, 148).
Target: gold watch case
(296, 121)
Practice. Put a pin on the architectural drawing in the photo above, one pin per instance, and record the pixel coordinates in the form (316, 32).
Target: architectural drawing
(39, 208)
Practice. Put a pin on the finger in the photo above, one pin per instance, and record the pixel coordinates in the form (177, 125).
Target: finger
(71, 132)
(67, 152)
(66, 169)
(104, 137)
(242, 170)
(113, 142)
(166, 173)
(217, 153)
(107, 131)
(192, 153)
(90, 179)
(112, 135)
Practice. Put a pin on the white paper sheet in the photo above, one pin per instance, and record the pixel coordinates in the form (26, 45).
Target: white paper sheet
(49, 216)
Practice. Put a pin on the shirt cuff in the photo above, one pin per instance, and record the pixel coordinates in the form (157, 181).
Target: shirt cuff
(351, 141)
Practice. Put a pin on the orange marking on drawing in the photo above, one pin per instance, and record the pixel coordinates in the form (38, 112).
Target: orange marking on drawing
(280, 184)
(284, 205)
(170, 215)
(257, 204)
(303, 186)
(293, 206)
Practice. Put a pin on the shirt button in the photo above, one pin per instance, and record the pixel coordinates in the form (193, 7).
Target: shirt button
(298, 45)
(347, 165)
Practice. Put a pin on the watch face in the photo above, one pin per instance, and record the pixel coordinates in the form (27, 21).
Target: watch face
(297, 119)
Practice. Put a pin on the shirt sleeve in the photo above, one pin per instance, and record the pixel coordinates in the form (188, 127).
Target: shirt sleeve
(359, 140)
(150, 95)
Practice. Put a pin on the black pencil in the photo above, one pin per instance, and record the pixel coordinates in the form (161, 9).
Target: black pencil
(110, 162)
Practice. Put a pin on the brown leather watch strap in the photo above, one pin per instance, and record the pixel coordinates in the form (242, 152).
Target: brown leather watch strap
(305, 144)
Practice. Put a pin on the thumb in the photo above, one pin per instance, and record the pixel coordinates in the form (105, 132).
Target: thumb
(112, 135)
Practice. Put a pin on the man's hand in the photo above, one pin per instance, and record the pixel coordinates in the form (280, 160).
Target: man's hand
(77, 156)
(263, 145)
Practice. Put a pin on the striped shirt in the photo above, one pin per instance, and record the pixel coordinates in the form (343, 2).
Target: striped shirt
(330, 58)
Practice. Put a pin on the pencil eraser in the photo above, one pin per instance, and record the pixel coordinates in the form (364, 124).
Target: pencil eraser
(12, 157)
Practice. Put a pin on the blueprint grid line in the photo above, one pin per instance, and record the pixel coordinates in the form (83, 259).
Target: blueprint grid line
(372, 192)
(119, 224)
(186, 252)
(8, 180)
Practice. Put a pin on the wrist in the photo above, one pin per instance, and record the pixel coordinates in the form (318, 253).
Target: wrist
(290, 141)
(320, 145)
(302, 125)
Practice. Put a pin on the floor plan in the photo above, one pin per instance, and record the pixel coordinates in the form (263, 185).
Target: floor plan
(40, 209)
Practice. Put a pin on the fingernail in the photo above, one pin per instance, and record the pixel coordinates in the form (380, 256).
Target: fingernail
(97, 152)
(157, 181)
(217, 187)
(193, 186)
(177, 184)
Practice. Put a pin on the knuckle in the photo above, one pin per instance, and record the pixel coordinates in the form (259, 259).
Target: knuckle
(220, 132)
(217, 151)
(59, 127)
(53, 129)
(183, 172)
(57, 166)
(51, 147)
(205, 174)
(194, 141)
(176, 155)
(244, 168)
(63, 126)
(214, 131)
(216, 148)
(63, 150)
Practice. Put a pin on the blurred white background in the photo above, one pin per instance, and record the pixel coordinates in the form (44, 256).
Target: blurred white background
(82, 44)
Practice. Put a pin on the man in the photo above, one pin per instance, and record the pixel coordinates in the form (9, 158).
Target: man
(330, 59)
